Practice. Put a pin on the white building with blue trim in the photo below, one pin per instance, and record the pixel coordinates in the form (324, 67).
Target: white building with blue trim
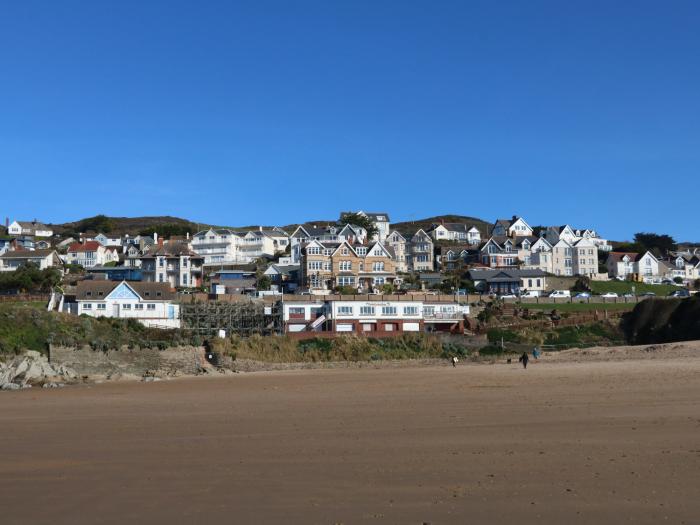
(153, 304)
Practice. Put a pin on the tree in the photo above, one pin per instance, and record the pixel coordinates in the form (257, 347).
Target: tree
(387, 288)
(345, 290)
(358, 219)
(582, 284)
(263, 283)
(678, 280)
(655, 243)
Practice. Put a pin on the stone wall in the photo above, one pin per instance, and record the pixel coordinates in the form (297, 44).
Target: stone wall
(171, 361)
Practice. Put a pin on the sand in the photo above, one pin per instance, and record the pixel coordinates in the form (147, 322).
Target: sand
(565, 441)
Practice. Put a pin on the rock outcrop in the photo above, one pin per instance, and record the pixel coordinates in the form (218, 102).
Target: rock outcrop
(33, 368)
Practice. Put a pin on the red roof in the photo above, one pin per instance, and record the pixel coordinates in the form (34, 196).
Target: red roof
(87, 246)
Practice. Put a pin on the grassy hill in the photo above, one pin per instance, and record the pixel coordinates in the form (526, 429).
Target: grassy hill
(410, 227)
(166, 223)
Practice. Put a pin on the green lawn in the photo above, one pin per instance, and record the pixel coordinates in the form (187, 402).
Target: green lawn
(578, 307)
(622, 287)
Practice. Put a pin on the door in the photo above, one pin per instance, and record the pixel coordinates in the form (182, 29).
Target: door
(171, 312)
(115, 310)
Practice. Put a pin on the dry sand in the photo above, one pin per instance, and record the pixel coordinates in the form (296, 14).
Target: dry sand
(594, 441)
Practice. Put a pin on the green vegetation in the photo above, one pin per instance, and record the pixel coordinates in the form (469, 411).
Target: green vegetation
(578, 307)
(170, 229)
(342, 348)
(30, 327)
(515, 341)
(359, 220)
(623, 287)
(29, 278)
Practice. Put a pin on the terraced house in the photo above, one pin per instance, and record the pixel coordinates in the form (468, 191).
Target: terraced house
(326, 266)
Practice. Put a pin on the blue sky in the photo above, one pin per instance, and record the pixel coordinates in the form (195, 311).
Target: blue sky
(278, 112)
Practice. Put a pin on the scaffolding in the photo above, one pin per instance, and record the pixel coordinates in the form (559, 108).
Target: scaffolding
(242, 318)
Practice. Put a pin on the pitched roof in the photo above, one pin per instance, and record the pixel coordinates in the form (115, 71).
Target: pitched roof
(617, 256)
(99, 290)
(33, 225)
(171, 250)
(87, 246)
(27, 254)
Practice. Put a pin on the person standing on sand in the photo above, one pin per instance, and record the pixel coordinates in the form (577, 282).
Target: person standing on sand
(524, 359)
(454, 361)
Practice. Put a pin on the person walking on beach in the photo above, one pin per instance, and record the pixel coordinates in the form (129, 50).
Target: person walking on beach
(454, 361)
(536, 353)
(524, 359)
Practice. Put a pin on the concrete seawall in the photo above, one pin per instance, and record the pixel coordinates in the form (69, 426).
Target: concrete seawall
(171, 361)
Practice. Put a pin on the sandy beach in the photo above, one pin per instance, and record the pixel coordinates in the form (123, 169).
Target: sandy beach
(569, 440)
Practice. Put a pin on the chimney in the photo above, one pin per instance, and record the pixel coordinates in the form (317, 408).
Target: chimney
(155, 236)
(7, 222)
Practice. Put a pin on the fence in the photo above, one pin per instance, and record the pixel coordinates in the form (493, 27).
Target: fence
(25, 298)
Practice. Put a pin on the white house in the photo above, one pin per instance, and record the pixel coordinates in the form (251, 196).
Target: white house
(31, 228)
(380, 220)
(90, 253)
(105, 240)
(622, 264)
(515, 227)
(374, 317)
(216, 245)
(153, 304)
(456, 231)
(10, 261)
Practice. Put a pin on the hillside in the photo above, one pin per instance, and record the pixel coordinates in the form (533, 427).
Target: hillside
(410, 227)
(178, 226)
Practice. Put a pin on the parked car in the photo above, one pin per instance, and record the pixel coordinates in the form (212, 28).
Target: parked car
(628, 295)
(680, 293)
(610, 295)
(508, 296)
(582, 295)
(560, 293)
(647, 294)
(530, 293)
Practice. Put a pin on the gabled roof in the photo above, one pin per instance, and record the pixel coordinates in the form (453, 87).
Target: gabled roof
(89, 290)
(33, 225)
(27, 254)
(87, 246)
(379, 250)
(421, 232)
(616, 257)
(346, 244)
(394, 233)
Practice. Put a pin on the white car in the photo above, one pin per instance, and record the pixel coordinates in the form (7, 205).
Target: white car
(560, 293)
(531, 293)
(610, 295)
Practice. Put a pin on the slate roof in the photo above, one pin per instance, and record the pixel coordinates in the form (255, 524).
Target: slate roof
(98, 290)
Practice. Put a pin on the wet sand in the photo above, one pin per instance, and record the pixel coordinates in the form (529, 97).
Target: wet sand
(564, 442)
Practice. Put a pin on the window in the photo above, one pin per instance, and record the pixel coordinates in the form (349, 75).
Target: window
(150, 306)
(160, 277)
(366, 310)
(87, 306)
(126, 306)
(346, 281)
(388, 310)
(313, 250)
(410, 310)
(345, 310)
(344, 251)
(327, 266)
(184, 279)
(379, 280)
(345, 266)
(161, 262)
(529, 283)
(538, 283)
(296, 311)
(315, 265)
(101, 306)
(378, 267)
(88, 294)
(184, 262)
(138, 306)
(361, 251)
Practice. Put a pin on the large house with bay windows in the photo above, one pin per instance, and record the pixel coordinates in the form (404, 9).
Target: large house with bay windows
(325, 266)
(172, 263)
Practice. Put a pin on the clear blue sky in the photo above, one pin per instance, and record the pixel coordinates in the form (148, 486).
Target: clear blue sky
(277, 112)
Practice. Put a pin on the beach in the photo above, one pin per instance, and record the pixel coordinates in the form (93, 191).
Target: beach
(575, 440)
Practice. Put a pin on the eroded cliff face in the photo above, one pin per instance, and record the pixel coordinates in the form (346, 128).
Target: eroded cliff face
(663, 321)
